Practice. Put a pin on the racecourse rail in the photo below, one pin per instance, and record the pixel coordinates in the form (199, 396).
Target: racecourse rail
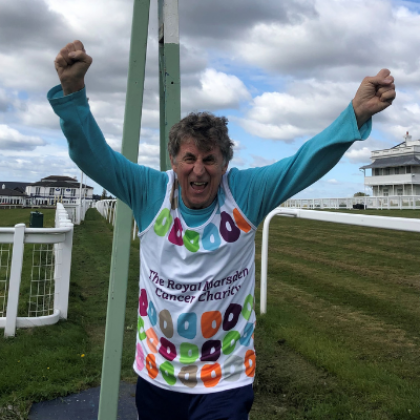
(50, 273)
(107, 210)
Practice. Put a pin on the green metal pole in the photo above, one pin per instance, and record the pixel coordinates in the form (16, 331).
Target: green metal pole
(169, 74)
(114, 331)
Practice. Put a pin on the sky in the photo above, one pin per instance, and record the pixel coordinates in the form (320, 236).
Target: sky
(281, 72)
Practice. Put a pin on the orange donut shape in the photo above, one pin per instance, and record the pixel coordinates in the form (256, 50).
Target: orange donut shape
(211, 374)
(207, 320)
(240, 221)
(151, 366)
(250, 363)
(152, 340)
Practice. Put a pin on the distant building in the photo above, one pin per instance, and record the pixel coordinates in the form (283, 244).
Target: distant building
(46, 192)
(395, 171)
(56, 188)
(10, 195)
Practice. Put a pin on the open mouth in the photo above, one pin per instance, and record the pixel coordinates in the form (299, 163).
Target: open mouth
(198, 186)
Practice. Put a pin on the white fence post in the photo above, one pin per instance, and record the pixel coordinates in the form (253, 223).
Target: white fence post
(14, 282)
(61, 299)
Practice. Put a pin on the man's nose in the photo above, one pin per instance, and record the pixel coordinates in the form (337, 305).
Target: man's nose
(199, 168)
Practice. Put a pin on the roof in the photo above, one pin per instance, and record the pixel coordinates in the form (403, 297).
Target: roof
(9, 192)
(61, 178)
(393, 161)
(56, 184)
(14, 185)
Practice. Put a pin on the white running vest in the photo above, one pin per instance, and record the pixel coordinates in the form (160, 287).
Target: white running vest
(196, 305)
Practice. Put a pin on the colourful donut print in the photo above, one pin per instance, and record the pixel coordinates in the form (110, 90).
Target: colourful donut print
(152, 340)
(232, 368)
(139, 357)
(211, 238)
(143, 302)
(240, 221)
(152, 314)
(168, 372)
(228, 229)
(250, 363)
(187, 325)
(211, 374)
(188, 352)
(188, 375)
(151, 367)
(210, 351)
(248, 333)
(210, 323)
(229, 341)
(163, 222)
(175, 235)
(140, 328)
(231, 316)
(167, 349)
(247, 308)
(165, 323)
(191, 240)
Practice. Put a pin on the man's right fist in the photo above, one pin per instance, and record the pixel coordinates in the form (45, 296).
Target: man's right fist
(71, 64)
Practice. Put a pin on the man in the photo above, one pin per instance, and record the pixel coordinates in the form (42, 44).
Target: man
(194, 354)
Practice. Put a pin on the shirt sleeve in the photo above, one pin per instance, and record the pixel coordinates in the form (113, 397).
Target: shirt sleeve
(140, 187)
(257, 191)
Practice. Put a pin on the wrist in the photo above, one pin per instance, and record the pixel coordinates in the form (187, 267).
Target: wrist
(69, 88)
(361, 117)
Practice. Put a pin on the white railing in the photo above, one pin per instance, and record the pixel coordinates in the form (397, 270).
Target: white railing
(394, 223)
(107, 209)
(397, 202)
(50, 273)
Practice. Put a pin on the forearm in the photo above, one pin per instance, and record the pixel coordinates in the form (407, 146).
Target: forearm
(267, 187)
(139, 187)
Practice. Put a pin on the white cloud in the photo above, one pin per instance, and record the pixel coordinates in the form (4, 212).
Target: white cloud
(217, 90)
(306, 108)
(13, 139)
(359, 156)
(332, 181)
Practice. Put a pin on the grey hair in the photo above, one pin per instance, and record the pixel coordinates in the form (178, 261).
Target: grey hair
(206, 131)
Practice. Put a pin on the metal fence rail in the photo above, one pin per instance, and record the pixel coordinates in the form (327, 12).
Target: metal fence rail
(50, 273)
(107, 209)
(393, 223)
(396, 202)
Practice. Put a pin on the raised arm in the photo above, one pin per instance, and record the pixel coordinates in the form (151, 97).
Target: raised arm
(72, 64)
(140, 187)
(260, 190)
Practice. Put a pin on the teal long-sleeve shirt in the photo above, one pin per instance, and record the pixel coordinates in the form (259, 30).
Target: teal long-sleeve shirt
(257, 191)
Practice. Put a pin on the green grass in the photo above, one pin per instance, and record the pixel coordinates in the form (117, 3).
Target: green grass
(339, 341)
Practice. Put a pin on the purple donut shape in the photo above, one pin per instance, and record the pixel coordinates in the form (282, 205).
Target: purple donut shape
(167, 349)
(231, 316)
(229, 231)
(210, 351)
(175, 235)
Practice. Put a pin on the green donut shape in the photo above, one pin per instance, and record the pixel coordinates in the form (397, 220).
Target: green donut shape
(247, 308)
(227, 345)
(161, 228)
(191, 240)
(185, 350)
(168, 372)
(140, 327)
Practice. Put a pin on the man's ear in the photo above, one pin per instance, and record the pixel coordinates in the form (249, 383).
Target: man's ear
(225, 168)
(173, 164)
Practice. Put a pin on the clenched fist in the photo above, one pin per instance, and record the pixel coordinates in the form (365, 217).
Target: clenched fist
(71, 64)
(374, 95)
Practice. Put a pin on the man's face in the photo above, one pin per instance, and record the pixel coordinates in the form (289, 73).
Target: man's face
(199, 174)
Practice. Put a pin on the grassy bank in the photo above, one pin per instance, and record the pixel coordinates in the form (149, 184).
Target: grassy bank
(340, 339)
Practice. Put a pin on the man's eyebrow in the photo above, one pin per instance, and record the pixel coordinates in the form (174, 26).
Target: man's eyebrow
(189, 155)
